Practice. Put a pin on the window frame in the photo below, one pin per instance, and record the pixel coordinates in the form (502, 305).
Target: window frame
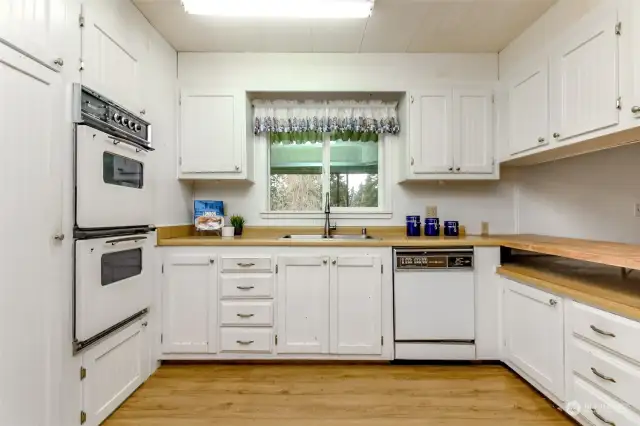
(382, 211)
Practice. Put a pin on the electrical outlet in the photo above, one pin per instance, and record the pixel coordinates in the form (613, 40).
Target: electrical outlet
(432, 211)
(485, 228)
(637, 210)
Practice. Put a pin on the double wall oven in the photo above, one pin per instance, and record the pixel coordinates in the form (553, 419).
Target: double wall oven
(113, 215)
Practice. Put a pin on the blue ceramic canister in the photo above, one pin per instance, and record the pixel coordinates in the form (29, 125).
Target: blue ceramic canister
(432, 227)
(451, 228)
(413, 226)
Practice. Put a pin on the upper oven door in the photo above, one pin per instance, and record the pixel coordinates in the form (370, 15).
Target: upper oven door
(112, 180)
(113, 280)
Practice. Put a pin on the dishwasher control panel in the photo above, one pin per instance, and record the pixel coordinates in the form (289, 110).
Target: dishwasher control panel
(412, 259)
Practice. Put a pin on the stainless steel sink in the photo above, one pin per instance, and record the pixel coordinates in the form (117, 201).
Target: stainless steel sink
(320, 237)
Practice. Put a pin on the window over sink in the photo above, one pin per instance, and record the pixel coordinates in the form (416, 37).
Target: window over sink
(302, 173)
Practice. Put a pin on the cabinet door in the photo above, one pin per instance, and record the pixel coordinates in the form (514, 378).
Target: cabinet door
(32, 282)
(189, 304)
(431, 147)
(212, 132)
(303, 305)
(34, 27)
(112, 55)
(473, 130)
(113, 372)
(533, 328)
(356, 305)
(585, 74)
(529, 109)
(634, 108)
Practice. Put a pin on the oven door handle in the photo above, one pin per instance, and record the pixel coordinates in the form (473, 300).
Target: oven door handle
(117, 140)
(125, 240)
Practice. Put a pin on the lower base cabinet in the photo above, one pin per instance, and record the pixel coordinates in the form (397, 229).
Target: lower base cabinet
(533, 332)
(112, 370)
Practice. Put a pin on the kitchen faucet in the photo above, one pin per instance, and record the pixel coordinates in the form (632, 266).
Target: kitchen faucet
(327, 226)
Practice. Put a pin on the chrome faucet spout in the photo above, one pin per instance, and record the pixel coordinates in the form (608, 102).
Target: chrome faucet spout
(327, 212)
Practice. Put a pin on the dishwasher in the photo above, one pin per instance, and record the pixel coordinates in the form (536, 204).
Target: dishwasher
(434, 304)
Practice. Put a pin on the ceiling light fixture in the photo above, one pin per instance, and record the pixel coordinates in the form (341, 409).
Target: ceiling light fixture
(309, 9)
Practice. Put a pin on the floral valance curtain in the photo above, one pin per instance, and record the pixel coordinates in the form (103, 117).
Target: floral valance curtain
(300, 122)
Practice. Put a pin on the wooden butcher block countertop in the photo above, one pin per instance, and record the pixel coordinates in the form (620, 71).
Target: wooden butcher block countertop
(600, 286)
(607, 253)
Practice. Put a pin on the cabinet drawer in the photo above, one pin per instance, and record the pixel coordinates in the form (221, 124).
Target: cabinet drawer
(246, 285)
(611, 373)
(246, 340)
(246, 313)
(611, 331)
(599, 409)
(246, 264)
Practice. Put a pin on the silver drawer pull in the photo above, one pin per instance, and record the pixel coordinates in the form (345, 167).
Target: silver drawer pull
(245, 287)
(602, 419)
(244, 342)
(245, 315)
(246, 265)
(602, 376)
(604, 333)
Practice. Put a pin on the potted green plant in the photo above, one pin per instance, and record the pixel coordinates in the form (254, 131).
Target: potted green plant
(237, 222)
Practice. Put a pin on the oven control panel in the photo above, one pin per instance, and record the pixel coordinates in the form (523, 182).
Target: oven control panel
(431, 259)
(107, 113)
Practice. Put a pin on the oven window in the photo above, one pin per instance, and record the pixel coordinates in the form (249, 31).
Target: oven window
(122, 171)
(121, 265)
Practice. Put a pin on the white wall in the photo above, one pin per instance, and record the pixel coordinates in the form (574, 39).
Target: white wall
(470, 203)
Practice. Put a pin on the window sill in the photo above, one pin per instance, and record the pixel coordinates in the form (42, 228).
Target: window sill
(321, 215)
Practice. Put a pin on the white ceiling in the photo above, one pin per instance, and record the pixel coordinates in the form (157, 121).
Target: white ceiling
(396, 26)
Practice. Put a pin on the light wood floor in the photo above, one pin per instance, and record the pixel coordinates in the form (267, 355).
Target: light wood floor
(336, 395)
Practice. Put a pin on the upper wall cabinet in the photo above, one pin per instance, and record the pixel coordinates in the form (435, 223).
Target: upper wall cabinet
(35, 27)
(213, 141)
(633, 107)
(529, 108)
(451, 134)
(112, 53)
(585, 82)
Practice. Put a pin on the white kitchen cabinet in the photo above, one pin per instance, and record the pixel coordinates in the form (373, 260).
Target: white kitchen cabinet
(529, 108)
(112, 370)
(303, 305)
(533, 332)
(112, 54)
(356, 305)
(190, 301)
(585, 77)
(35, 27)
(213, 135)
(451, 133)
(634, 107)
(431, 131)
(32, 269)
(473, 143)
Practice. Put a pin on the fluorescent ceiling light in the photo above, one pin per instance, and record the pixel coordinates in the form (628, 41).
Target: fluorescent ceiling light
(311, 9)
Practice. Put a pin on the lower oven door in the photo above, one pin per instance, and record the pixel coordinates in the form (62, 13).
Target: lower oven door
(112, 181)
(113, 281)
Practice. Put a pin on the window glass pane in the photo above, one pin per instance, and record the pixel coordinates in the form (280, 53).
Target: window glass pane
(296, 176)
(122, 171)
(354, 174)
(121, 265)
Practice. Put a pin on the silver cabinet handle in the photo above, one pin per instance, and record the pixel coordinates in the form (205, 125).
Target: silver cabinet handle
(450, 169)
(412, 161)
(244, 342)
(248, 287)
(144, 324)
(600, 331)
(602, 376)
(143, 112)
(59, 62)
(553, 302)
(246, 265)
(540, 140)
(59, 237)
(324, 261)
(333, 262)
(245, 315)
(602, 419)
(457, 169)
(556, 135)
(237, 168)
(635, 109)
